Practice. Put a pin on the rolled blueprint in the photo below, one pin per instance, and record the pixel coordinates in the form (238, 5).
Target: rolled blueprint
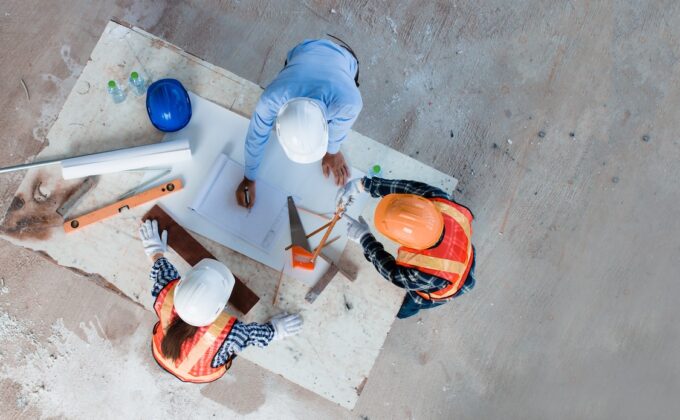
(151, 155)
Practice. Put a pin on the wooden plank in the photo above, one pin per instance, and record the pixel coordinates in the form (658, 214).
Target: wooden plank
(242, 298)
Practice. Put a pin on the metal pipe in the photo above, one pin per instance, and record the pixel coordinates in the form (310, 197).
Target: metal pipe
(30, 165)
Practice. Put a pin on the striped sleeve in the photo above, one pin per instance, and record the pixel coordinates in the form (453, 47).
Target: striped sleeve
(241, 336)
(162, 273)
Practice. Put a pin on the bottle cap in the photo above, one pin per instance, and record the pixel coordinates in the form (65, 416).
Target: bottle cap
(112, 83)
(134, 75)
(375, 168)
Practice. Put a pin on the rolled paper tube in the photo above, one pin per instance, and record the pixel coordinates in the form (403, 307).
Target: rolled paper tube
(158, 154)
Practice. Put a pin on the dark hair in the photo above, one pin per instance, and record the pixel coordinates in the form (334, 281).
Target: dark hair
(178, 332)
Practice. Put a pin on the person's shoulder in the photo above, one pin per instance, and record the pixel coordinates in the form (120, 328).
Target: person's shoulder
(350, 100)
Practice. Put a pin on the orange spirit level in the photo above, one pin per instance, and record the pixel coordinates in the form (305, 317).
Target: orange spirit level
(111, 210)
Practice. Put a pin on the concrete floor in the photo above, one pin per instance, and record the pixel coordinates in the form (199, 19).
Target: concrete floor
(558, 118)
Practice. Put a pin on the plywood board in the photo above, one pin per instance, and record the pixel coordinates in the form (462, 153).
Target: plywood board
(338, 346)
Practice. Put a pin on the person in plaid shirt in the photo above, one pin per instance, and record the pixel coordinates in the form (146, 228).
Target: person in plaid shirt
(195, 339)
(432, 274)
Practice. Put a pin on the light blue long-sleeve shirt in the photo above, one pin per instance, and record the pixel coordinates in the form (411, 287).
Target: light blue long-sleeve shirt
(316, 69)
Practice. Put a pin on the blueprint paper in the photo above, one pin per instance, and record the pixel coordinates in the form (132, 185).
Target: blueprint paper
(216, 202)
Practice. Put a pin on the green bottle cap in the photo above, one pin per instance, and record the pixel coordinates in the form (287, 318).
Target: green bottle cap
(112, 83)
(134, 75)
(376, 168)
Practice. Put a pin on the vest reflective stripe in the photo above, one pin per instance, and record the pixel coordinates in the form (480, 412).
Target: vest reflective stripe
(166, 308)
(456, 215)
(169, 365)
(447, 260)
(433, 263)
(205, 345)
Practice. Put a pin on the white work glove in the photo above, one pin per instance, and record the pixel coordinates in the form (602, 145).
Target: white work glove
(286, 325)
(152, 242)
(349, 193)
(357, 229)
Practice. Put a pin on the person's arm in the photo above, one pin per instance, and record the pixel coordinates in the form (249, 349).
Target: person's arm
(241, 336)
(162, 273)
(259, 130)
(380, 187)
(404, 277)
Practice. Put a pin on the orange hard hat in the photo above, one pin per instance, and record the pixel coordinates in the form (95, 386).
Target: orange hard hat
(410, 220)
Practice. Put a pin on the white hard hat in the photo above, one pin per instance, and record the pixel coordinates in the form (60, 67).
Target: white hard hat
(203, 293)
(302, 130)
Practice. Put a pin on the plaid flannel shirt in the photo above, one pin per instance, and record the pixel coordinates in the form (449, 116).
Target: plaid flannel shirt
(241, 335)
(410, 279)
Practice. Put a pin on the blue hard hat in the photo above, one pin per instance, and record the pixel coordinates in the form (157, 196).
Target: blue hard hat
(168, 105)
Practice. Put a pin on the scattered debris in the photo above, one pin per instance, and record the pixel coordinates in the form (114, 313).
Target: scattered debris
(459, 52)
(13, 329)
(645, 138)
(541, 134)
(28, 96)
(615, 179)
(17, 203)
(451, 133)
(41, 193)
(495, 146)
(509, 141)
(86, 90)
(348, 304)
(333, 11)
(572, 134)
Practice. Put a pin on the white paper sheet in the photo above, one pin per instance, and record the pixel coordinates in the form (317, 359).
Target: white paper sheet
(216, 202)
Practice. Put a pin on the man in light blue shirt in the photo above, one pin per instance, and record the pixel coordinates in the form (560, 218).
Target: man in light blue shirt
(320, 78)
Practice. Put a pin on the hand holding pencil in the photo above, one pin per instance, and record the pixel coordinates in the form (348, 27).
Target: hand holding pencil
(245, 193)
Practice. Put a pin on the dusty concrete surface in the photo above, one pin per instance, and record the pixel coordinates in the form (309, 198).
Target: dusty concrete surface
(71, 349)
(558, 118)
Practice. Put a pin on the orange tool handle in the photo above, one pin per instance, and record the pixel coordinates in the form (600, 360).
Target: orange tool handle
(111, 210)
(302, 258)
(325, 236)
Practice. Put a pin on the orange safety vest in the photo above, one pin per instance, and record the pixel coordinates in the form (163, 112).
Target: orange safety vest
(198, 352)
(452, 258)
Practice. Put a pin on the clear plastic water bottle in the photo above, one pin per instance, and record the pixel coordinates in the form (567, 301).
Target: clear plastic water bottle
(138, 84)
(374, 170)
(117, 94)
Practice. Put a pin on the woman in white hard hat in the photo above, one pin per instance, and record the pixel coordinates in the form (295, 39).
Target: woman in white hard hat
(195, 339)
